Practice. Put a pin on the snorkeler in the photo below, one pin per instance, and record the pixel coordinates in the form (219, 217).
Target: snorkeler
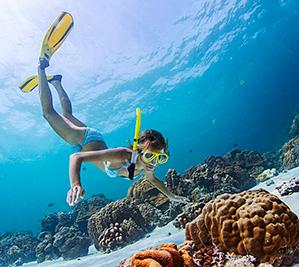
(92, 147)
(89, 142)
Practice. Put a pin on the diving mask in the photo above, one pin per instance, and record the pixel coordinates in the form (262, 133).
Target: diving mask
(150, 156)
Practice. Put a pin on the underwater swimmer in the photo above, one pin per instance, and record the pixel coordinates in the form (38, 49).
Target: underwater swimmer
(91, 147)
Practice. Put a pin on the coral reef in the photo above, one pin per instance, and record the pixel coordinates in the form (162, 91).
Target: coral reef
(266, 175)
(155, 208)
(84, 209)
(250, 161)
(187, 255)
(273, 160)
(209, 256)
(233, 260)
(17, 248)
(190, 212)
(156, 217)
(287, 188)
(111, 237)
(290, 153)
(68, 242)
(52, 222)
(65, 234)
(45, 249)
(167, 255)
(143, 192)
(232, 173)
(71, 242)
(253, 222)
(128, 216)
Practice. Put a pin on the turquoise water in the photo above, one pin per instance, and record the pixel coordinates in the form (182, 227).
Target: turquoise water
(207, 74)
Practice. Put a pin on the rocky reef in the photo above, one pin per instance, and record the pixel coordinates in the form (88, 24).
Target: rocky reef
(189, 213)
(85, 209)
(155, 208)
(17, 248)
(130, 224)
(71, 242)
(67, 242)
(52, 222)
(127, 220)
(62, 235)
(290, 153)
(232, 173)
(65, 234)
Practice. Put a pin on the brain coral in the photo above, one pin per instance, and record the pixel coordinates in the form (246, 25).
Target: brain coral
(253, 222)
(168, 255)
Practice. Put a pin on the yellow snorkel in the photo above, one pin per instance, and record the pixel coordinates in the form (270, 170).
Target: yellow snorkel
(131, 168)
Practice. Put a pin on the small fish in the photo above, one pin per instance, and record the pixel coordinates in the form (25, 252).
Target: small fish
(84, 168)
(242, 82)
(51, 204)
(190, 150)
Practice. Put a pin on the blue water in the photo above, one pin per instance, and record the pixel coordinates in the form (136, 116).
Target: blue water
(207, 74)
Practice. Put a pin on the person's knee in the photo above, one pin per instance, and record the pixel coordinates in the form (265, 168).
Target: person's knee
(67, 115)
(48, 113)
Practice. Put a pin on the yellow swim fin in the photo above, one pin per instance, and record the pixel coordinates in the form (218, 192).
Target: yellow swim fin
(56, 35)
(31, 82)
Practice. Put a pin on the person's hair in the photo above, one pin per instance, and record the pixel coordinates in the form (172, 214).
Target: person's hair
(153, 139)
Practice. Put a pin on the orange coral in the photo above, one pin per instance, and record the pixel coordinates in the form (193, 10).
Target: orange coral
(252, 222)
(167, 255)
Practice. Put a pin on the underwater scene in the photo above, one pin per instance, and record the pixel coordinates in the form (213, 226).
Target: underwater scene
(149, 133)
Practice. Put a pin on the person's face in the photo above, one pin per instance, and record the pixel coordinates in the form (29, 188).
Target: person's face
(151, 158)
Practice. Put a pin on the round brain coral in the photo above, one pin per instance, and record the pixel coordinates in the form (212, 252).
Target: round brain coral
(253, 222)
(168, 255)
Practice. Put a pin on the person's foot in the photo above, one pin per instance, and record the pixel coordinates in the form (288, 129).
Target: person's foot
(43, 63)
(56, 78)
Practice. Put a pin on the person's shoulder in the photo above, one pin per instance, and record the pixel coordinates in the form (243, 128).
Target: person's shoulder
(127, 150)
(124, 150)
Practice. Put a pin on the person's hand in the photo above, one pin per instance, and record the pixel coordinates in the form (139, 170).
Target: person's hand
(74, 194)
(180, 199)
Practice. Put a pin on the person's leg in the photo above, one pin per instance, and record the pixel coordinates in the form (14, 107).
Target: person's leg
(70, 132)
(65, 102)
(93, 140)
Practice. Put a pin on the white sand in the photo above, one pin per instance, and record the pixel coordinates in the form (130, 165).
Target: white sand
(161, 235)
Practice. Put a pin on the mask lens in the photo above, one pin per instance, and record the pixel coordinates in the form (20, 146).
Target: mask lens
(163, 158)
(148, 155)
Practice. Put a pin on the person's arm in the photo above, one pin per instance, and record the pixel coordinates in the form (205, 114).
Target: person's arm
(76, 159)
(151, 178)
